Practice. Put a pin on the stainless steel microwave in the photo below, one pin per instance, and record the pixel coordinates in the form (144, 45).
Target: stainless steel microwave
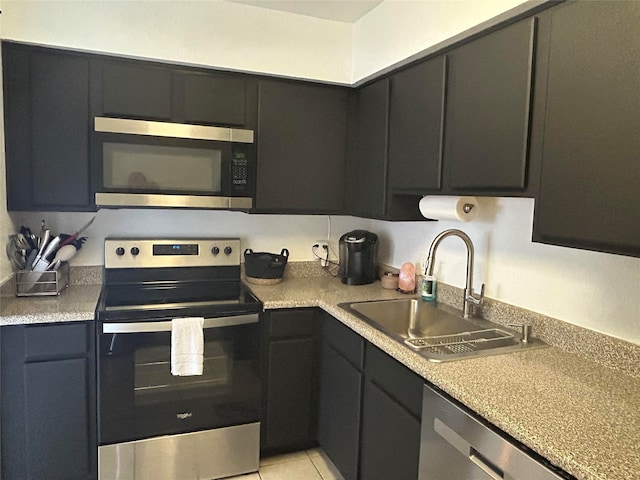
(160, 164)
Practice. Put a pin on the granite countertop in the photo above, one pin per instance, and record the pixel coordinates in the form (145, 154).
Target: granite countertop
(76, 303)
(582, 416)
(579, 414)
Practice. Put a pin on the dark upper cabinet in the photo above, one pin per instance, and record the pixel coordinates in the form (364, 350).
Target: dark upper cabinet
(216, 100)
(46, 103)
(151, 91)
(396, 143)
(135, 91)
(367, 168)
(488, 111)
(416, 127)
(590, 181)
(48, 385)
(289, 376)
(301, 145)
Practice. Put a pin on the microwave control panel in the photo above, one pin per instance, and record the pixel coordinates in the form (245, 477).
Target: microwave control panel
(239, 174)
(241, 169)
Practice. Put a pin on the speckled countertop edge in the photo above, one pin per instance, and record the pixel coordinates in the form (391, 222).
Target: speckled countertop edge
(76, 303)
(581, 415)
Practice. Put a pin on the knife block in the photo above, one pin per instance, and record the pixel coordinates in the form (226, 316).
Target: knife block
(34, 284)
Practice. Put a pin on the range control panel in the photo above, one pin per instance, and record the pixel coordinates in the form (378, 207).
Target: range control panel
(156, 253)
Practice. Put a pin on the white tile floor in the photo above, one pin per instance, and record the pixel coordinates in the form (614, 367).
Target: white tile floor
(306, 465)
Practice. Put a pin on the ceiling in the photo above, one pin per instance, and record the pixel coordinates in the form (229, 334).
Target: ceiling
(348, 11)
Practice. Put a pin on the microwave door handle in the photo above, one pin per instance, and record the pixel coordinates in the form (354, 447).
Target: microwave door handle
(165, 326)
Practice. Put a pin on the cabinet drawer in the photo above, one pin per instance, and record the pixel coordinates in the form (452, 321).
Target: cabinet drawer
(56, 340)
(395, 379)
(343, 340)
(291, 323)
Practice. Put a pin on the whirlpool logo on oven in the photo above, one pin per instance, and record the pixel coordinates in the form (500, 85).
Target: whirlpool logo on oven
(184, 415)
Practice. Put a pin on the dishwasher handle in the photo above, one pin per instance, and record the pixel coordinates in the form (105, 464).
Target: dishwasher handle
(464, 447)
(165, 326)
(485, 465)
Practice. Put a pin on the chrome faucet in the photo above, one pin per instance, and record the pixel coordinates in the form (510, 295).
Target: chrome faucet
(470, 298)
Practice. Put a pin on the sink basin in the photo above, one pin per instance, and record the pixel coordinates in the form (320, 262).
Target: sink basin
(438, 333)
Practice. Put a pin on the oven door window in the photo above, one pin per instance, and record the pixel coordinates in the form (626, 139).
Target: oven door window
(161, 168)
(140, 398)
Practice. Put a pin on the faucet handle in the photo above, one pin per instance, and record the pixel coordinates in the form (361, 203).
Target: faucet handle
(476, 299)
(525, 330)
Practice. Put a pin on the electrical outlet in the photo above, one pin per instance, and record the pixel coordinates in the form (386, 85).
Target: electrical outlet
(320, 251)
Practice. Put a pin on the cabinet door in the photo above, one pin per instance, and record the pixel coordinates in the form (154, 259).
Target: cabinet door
(214, 100)
(367, 174)
(290, 410)
(136, 91)
(391, 411)
(301, 147)
(590, 181)
(390, 438)
(488, 110)
(289, 380)
(416, 127)
(56, 414)
(46, 96)
(50, 433)
(339, 411)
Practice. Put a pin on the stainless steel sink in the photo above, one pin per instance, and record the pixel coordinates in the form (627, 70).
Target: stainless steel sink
(438, 333)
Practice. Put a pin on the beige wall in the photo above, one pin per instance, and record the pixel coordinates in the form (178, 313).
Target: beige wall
(398, 29)
(208, 33)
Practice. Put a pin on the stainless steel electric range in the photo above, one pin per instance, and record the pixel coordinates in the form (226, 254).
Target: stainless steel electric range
(154, 425)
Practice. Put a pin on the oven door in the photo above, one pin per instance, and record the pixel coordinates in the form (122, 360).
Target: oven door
(157, 164)
(140, 398)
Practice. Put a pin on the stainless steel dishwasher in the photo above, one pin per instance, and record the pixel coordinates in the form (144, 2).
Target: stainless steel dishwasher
(456, 445)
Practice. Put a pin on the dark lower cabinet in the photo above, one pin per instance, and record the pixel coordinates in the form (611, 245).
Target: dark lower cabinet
(391, 413)
(289, 380)
(590, 181)
(369, 410)
(341, 380)
(48, 402)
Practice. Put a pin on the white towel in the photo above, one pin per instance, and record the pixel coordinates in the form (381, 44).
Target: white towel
(187, 346)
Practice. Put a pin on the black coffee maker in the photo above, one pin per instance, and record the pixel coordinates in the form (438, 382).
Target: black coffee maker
(358, 257)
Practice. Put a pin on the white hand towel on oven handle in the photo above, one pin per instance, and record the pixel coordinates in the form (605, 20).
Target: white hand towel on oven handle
(187, 346)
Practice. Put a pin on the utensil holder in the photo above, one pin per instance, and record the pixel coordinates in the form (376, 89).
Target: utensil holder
(34, 284)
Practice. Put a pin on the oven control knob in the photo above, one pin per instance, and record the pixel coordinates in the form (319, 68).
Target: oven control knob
(228, 250)
(215, 250)
(135, 251)
(119, 251)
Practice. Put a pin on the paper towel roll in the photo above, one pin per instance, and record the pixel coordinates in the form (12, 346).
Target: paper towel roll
(441, 207)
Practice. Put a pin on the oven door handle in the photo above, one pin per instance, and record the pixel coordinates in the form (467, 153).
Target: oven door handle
(165, 326)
